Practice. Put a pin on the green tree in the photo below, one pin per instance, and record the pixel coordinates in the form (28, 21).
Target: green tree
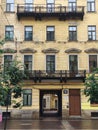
(11, 77)
(91, 87)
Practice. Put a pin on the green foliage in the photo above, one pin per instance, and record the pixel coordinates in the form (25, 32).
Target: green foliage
(10, 83)
(15, 72)
(17, 105)
(91, 87)
(1, 51)
(2, 42)
(11, 77)
(17, 92)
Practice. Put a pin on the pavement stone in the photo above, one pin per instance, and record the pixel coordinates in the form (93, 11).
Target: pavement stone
(50, 124)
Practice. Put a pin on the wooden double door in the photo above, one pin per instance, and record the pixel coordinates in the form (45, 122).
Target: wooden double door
(74, 102)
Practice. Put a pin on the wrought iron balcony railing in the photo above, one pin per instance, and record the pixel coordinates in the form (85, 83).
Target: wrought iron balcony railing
(41, 11)
(60, 75)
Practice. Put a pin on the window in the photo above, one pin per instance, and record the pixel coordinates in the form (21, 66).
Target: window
(73, 64)
(50, 33)
(90, 5)
(50, 5)
(9, 5)
(72, 5)
(9, 33)
(72, 33)
(28, 62)
(50, 63)
(7, 60)
(29, 5)
(28, 33)
(92, 62)
(27, 97)
(91, 33)
(44, 103)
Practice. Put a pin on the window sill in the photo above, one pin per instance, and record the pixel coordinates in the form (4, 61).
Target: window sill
(10, 12)
(27, 106)
(37, 42)
(92, 12)
(28, 40)
(72, 40)
(94, 105)
(9, 40)
(91, 40)
(51, 41)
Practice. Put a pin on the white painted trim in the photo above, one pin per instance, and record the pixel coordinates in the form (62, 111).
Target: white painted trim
(32, 59)
(88, 60)
(7, 55)
(77, 60)
(55, 59)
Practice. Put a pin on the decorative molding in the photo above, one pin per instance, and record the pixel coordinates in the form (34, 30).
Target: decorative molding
(50, 41)
(91, 50)
(9, 50)
(62, 42)
(73, 50)
(50, 50)
(37, 42)
(82, 42)
(27, 50)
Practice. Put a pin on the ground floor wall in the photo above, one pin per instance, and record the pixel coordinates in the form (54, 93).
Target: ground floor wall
(33, 111)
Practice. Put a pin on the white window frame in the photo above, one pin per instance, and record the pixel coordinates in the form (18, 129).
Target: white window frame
(50, 54)
(88, 60)
(91, 6)
(32, 59)
(10, 6)
(77, 59)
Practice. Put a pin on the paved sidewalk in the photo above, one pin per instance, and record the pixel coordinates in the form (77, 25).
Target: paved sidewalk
(33, 125)
(51, 124)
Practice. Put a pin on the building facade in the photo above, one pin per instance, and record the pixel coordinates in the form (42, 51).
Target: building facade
(57, 42)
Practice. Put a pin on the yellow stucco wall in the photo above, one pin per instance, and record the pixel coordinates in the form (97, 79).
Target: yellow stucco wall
(61, 43)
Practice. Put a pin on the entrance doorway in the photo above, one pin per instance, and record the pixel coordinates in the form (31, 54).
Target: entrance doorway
(50, 103)
(74, 102)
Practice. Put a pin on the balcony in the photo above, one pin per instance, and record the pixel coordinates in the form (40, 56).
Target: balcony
(41, 11)
(58, 75)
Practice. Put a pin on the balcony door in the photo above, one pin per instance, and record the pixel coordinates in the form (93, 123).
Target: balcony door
(50, 63)
(7, 60)
(29, 5)
(92, 62)
(72, 5)
(50, 6)
(28, 62)
(73, 65)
